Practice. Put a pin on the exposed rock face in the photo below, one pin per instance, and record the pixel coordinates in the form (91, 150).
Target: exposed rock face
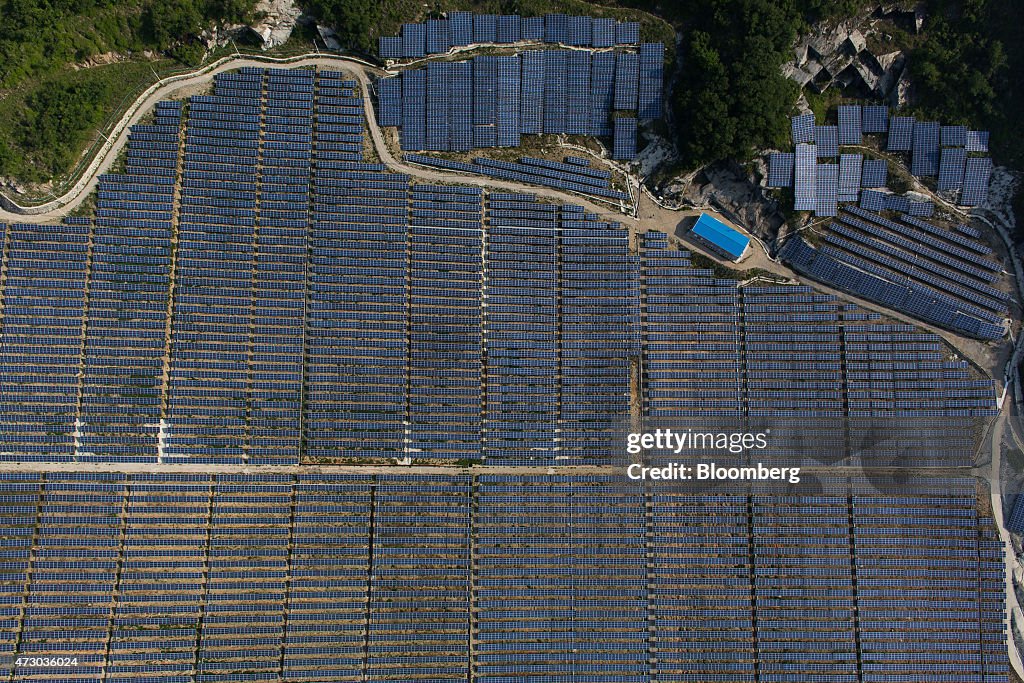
(727, 188)
(839, 55)
(278, 18)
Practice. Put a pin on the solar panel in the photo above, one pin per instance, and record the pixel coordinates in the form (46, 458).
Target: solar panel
(954, 136)
(780, 170)
(850, 124)
(624, 142)
(508, 28)
(802, 127)
(874, 173)
(827, 140)
(826, 190)
(603, 33)
(652, 61)
(873, 200)
(460, 28)
(627, 76)
(875, 119)
(925, 160)
(485, 28)
(849, 176)
(627, 33)
(951, 168)
(437, 36)
(414, 40)
(894, 202)
(901, 134)
(976, 178)
(923, 209)
(805, 178)
(977, 141)
(391, 47)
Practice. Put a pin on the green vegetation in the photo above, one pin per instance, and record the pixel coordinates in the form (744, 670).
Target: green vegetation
(51, 111)
(970, 69)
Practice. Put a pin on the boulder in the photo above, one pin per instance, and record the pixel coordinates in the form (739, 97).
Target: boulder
(277, 21)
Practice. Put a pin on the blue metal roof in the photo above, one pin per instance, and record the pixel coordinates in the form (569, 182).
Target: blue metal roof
(721, 235)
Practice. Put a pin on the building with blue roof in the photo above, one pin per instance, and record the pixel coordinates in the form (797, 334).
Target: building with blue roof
(720, 238)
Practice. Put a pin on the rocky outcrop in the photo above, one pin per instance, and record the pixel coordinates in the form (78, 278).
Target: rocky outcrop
(277, 21)
(727, 188)
(840, 55)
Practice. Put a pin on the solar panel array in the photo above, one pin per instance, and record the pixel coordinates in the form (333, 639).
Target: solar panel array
(977, 174)
(438, 36)
(875, 119)
(925, 159)
(850, 166)
(805, 178)
(624, 138)
(936, 151)
(827, 191)
(170, 577)
(780, 169)
(850, 124)
(874, 173)
(935, 274)
(503, 97)
(528, 170)
(715, 349)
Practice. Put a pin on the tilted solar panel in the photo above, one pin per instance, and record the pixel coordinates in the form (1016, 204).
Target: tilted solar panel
(780, 169)
(901, 134)
(802, 128)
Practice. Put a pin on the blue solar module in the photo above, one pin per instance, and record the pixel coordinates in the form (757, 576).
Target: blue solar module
(624, 142)
(577, 93)
(976, 178)
(968, 230)
(580, 32)
(805, 178)
(531, 114)
(391, 47)
(627, 33)
(954, 136)
(873, 200)
(507, 113)
(826, 190)
(556, 28)
(1015, 522)
(414, 40)
(461, 108)
(414, 109)
(925, 160)
(951, 168)
(555, 65)
(602, 91)
(532, 29)
(485, 28)
(875, 119)
(901, 134)
(976, 141)
(874, 173)
(923, 209)
(895, 202)
(627, 76)
(460, 28)
(651, 80)
(780, 170)
(507, 28)
(389, 95)
(603, 33)
(438, 40)
(850, 124)
(803, 128)
(849, 176)
(827, 140)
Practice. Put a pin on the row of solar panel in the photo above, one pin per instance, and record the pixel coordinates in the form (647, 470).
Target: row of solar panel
(460, 29)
